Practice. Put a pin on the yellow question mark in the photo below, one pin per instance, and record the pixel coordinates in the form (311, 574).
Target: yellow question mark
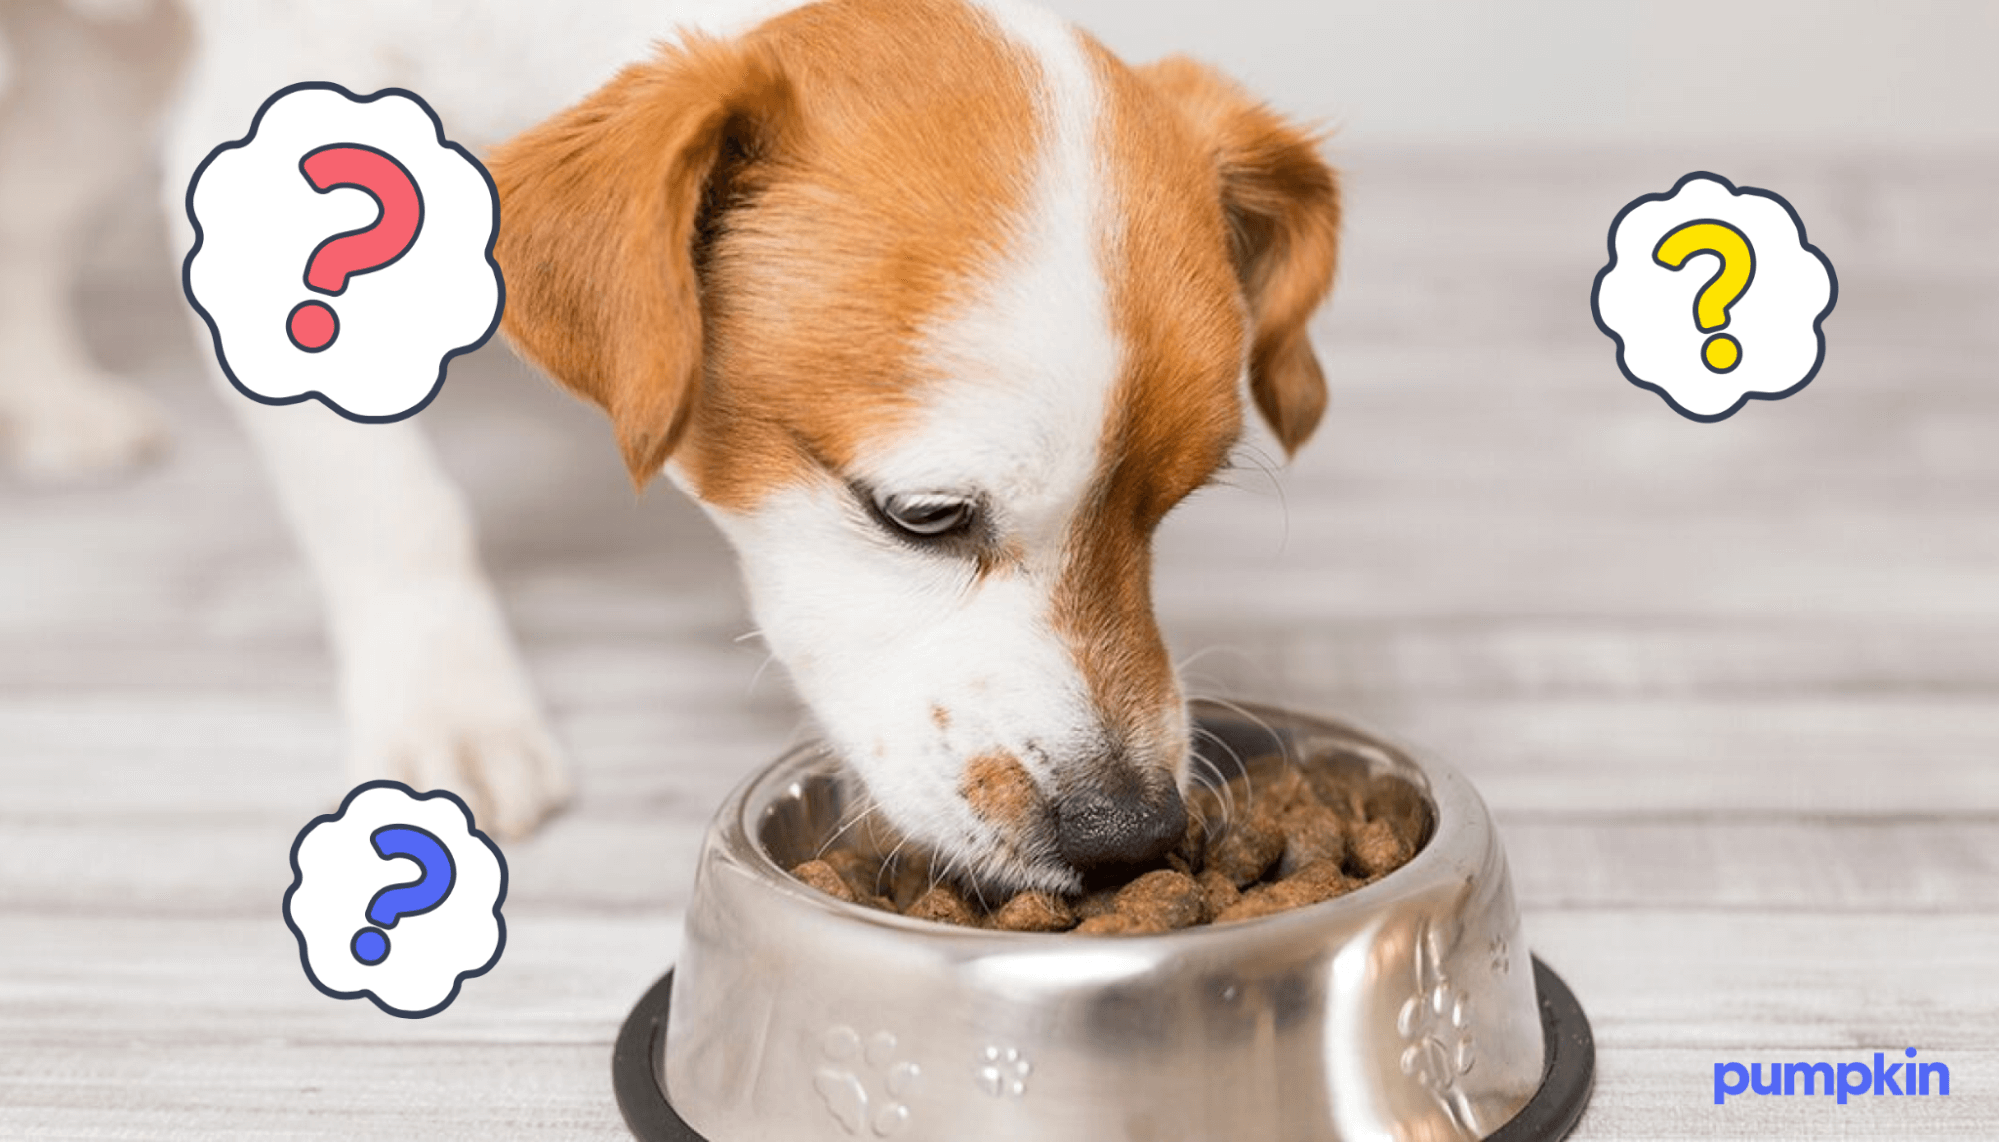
(1721, 352)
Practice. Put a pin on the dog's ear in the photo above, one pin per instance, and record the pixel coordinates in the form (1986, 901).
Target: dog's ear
(1283, 208)
(602, 212)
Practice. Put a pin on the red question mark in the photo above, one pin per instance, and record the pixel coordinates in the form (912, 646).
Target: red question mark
(312, 324)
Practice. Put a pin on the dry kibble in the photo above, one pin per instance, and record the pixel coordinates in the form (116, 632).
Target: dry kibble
(942, 902)
(1312, 833)
(1218, 892)
(1164, 897)
(908, 881)
(1284, 792)
(1320, 881)
(1193, 847)
(1034, 912)
(1301, 837)
(823, 877)
(1093, 905)
(1338, 794)
(1377, 849)
(862, 873)
(1119, 925)
(1247, 850)
(1255, 903)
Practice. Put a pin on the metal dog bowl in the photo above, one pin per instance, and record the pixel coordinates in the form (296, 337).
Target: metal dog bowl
(1408, 1008)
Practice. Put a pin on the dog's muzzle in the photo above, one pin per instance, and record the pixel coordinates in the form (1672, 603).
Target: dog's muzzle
(1118, 816)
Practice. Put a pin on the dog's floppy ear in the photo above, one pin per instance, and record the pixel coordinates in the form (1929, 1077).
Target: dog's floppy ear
(1283, 207)
(601, 211)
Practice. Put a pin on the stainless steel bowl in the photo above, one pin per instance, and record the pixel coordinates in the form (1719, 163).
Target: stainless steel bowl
(1405, 1009)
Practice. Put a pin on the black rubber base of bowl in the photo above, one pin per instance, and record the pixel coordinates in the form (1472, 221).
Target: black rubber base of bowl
(1568, 1070)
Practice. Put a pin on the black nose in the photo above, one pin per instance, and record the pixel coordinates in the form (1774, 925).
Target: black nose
(1117, 818)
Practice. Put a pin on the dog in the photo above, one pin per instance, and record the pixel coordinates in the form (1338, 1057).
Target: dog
(77, 81)
(936, 307)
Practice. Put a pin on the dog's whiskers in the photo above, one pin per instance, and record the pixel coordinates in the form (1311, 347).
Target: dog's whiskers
(867, 807)
(888, 863)
(1221, 785)
(1283, 744)
(1247, 455)
(758, 675)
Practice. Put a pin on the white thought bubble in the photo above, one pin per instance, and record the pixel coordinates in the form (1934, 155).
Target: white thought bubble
(314, 287)
(406, 929)
(1714, 296)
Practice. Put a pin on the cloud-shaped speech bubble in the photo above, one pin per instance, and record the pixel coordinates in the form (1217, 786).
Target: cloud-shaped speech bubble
(1714, 296)
(396, 897)
(343, 251)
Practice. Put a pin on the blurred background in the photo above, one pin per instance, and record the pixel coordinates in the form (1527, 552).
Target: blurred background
(1732, 690)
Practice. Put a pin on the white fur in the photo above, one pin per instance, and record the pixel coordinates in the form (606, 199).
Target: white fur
(434, 690)
(72, 130)
(877, 635)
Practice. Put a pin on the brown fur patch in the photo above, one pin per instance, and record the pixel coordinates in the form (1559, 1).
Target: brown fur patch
(1000, 790)
(599, 207)
(1282, 204)
(1175, 304)
(734, 247)
(1217, 206)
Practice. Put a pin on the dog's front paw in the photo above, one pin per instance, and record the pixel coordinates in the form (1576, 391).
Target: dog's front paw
(441, 700)
(507, 768)
(83, 430)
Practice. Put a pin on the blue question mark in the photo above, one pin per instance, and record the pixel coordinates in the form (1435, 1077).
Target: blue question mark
(408, 898)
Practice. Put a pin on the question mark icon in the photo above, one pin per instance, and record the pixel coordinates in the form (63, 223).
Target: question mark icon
(312, 324)
(1721, 352)
(408, 898)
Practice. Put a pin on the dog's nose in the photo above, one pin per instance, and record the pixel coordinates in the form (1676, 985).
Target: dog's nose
(1118, 819)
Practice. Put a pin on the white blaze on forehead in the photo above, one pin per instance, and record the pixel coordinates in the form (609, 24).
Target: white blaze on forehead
(1019, 375)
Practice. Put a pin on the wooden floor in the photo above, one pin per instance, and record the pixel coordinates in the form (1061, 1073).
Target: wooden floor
(1732, 690)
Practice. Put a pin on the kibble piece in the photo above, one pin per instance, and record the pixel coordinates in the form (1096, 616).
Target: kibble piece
(1218, 892)
(1285, 791)
(1320, 881)
(1249, 848)
(907, 881)
(943, 903)
(1097, 903)
(1164, 897)
(1255, 903)
(1119, 925)
(1034, 912)
(863, 874)
(1378, 850)
(1337, 792)
(1312, 833)
(1193, 848)
(823, 877)
(1221, 803)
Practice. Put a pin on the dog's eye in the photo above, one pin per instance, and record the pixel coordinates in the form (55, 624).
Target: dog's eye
(926, 514)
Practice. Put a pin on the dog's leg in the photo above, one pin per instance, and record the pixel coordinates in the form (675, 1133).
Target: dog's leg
(75, 123)
(433, 688)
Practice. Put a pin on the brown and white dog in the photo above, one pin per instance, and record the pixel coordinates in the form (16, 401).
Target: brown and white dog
(935, 306)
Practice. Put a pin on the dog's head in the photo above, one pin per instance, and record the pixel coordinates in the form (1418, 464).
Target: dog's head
(938, 308)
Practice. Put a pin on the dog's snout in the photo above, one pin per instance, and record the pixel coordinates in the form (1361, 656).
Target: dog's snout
(1119, 819)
